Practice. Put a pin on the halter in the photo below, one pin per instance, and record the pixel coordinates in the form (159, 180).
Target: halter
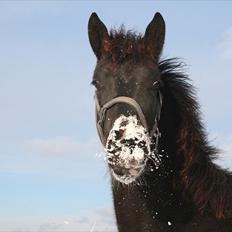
(101, 113)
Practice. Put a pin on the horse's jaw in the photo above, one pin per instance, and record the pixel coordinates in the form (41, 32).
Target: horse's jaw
(130, 175)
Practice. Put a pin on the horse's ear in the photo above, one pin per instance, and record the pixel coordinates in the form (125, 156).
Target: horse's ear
(154, 36)
(97, 33)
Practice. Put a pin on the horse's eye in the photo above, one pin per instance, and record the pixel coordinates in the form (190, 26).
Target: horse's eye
(155, 84)
(95, 83)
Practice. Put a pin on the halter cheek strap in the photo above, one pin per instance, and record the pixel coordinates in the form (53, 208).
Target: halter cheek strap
(101, 112)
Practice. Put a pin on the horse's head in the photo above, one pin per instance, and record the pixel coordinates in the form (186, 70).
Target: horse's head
(128, 98)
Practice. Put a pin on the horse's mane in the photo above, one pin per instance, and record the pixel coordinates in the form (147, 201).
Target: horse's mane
(209, 185)
(122, 34)
(123, 45)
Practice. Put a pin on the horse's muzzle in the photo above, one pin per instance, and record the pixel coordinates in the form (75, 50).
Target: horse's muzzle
(128, 148)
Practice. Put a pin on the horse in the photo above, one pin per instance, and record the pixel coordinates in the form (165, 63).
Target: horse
(148, 120)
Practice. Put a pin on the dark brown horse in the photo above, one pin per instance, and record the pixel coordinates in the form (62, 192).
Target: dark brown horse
(163, 175)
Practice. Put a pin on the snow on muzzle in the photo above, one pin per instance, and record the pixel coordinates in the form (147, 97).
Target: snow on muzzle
(128, 148)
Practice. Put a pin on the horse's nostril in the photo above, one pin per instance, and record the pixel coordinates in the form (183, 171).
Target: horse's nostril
(119, 134)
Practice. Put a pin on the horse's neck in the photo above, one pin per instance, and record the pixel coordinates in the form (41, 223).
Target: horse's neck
(153, 204)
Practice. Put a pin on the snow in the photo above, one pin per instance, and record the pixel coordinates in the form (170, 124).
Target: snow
(129, 146)
(130, 130)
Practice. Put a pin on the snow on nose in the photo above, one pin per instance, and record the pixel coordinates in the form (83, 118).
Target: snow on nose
(128, 143)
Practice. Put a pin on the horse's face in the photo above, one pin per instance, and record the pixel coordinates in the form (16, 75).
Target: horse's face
(126, 123)
(127, 139)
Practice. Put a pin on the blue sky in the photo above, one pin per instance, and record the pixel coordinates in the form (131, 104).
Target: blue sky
(52, 171)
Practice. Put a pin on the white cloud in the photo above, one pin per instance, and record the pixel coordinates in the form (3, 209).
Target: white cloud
(226, 44)
(57, 157)
(62, 146)
(99, 220)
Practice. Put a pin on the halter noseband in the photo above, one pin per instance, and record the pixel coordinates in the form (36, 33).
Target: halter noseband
(101, 112)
